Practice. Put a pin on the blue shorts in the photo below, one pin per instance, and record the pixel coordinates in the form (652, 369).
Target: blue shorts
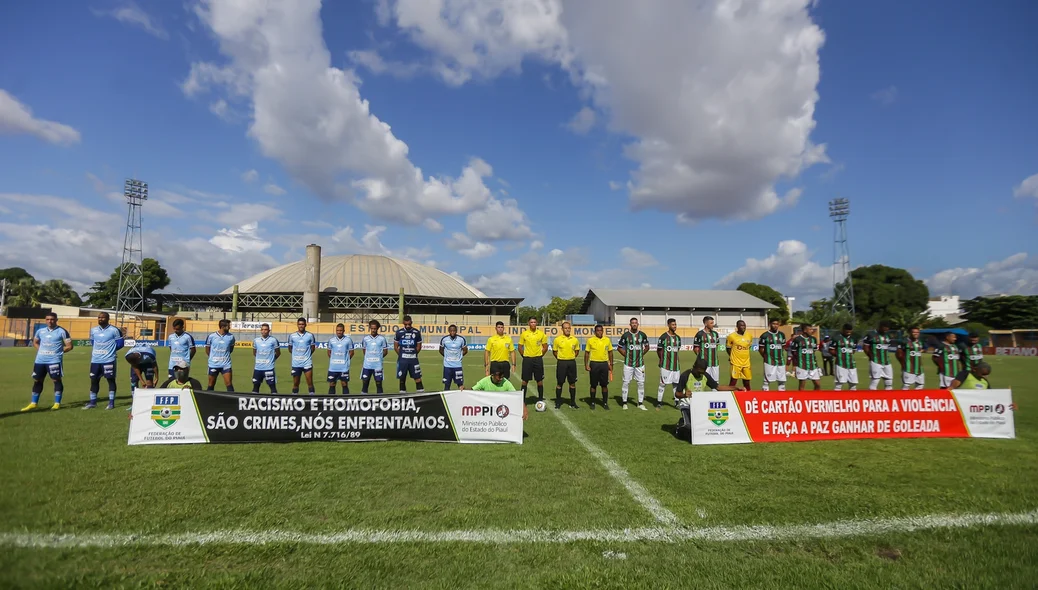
(259, 376)
(455, 374)
(336, 376)
(41, 370)
(149, 374)
(297, 371)
(106, 370)
(367, 373)
(408, 367)
(214, 371)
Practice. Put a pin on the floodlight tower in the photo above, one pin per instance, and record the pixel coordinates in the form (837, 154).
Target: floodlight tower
(843, 288)
(130, 300)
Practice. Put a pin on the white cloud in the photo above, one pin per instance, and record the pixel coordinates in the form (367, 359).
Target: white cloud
(536, 245)
(310, 116)
(131, 14)
(16, 118)
(1016, 275)
(249, 176)
(636, 258)
(791, 271)
(1028, 187)
(885, 96)
(470, 248)
(241, 214)
(272, 189)
(433, 225)
(373, 61)
(615, 186)
(221, 109)
(499, 220)
(582, 122)
(244, 238)
(719, 95)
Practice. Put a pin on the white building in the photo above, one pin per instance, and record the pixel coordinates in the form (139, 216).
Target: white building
(652, 307)
(943, 306)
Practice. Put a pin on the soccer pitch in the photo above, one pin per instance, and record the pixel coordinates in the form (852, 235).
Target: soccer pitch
(597, 499)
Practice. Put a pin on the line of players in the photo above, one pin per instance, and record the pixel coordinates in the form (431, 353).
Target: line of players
(53, 341)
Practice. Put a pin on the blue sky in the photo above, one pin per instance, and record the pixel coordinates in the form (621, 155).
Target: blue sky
(533, 148)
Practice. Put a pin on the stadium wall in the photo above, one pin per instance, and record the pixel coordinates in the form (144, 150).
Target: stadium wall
(691, 317)
(351, 317)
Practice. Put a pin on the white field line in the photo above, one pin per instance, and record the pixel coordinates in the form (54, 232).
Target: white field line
(639, 493)
(719, 534)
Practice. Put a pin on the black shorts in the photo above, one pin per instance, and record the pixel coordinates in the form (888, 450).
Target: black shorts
(599, 373)
(504, 366)
(533, 368)
(566, 371)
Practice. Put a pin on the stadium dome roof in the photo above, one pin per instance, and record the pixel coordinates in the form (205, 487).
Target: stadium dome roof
(365, 274)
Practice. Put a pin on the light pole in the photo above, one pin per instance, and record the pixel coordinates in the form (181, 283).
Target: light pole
(843, 287)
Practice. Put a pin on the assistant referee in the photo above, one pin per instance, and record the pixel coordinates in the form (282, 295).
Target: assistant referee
(533, 344)
(500, 353)
(566, 348)
(598, 362)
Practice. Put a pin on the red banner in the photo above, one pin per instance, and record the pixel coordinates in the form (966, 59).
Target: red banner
(828, 415)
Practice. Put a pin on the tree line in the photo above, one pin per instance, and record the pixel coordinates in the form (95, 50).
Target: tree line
(24, 290)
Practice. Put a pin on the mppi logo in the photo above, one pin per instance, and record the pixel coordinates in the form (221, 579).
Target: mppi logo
(477, 410)
(986, 408)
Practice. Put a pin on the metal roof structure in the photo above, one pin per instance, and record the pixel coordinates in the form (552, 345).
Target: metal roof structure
(674, 299)
(357, 273)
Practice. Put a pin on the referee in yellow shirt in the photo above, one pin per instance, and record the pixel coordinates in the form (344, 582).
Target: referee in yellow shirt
(598, 362)
(500, 353)
(738, 345)
(533, 343)
(566, 348)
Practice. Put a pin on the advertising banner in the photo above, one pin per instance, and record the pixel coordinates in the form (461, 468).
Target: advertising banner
(724, 417)
(182, 416)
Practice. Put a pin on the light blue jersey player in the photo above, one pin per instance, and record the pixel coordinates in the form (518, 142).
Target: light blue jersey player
(453, 349)
(51, 342)
(375, 349)
(106, 341)
(143, 366)
(340, 351)
(266, 349)
(302, 344)
(218, 347)
(181, 347)
(408, 343)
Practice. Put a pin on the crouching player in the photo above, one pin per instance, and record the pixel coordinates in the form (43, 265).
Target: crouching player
(142, 367)
(340, 351)
(695, 380)
(266, 350)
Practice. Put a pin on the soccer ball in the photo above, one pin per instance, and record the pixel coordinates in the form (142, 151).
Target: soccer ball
(541, 406)
(165, 412)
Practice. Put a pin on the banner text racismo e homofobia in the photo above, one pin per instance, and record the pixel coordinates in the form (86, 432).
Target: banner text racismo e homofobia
(172, 416)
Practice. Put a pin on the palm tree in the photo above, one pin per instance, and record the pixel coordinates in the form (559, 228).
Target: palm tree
(25, 293)
(59, 292)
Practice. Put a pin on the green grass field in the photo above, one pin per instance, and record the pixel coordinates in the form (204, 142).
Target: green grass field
(901, 502)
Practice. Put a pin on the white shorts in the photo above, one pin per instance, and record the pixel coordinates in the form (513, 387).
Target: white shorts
(845, 375)
(637, 372)
(877, 371)
(774, 373)
(944, 381)
(714, 372)
(911, 379)
(669, 377)
(812, 375)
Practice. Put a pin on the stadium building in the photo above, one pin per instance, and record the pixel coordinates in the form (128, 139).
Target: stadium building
(350, 289)
(653, 307)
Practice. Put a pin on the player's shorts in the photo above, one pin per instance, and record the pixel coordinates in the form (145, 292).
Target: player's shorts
(669, 377)
(809, 374)
(741, 372)
(41, 370)
(408, 368)
(214, 371)
(504, 366)
(454, 374)
(714, 372)
(99, 370)
(599, 373)
(366, 374)
(533, 368)
(149, 374)
(336, 376)
(636, 373)
(297, 371)
(845, 375)
(566, 371)
(774, 373)
(945, 381)
(877, 371)
(260, 375)
(913, 379)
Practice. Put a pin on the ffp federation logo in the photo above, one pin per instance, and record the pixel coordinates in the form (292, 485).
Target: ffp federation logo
(165, 411)
(718, 413)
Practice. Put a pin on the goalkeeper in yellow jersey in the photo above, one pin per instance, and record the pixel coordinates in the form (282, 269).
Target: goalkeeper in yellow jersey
(738, 345)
